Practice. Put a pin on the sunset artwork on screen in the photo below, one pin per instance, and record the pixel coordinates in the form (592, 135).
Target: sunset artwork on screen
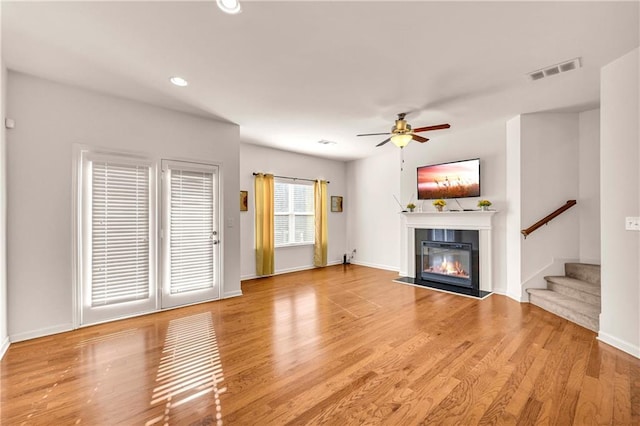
(450, 180)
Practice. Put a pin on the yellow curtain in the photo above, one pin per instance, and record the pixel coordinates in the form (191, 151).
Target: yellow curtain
(264, 224)
(320, 212)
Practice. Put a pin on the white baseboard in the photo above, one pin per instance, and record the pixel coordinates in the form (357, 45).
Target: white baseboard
(517, 297)
(230, 294)
(500, 291)
(4, 346)
(619, 344)
(288, 270)
(61, 328)
(376, 265)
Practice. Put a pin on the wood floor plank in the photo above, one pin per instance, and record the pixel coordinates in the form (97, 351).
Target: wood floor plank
(337, 345)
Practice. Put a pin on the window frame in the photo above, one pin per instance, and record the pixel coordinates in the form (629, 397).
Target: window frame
(292, 214)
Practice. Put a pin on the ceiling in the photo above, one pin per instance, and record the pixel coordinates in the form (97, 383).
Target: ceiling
(293, 73)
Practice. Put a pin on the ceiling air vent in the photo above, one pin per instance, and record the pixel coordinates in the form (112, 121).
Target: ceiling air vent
(555, 69)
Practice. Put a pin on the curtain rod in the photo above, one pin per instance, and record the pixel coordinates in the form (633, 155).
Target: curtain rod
(289, 177)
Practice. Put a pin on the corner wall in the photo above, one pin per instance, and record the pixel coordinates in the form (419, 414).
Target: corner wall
(514, 211)
(589, 186)
(254, 158)
(4, 334)
(549, 177)
(50, 119)
(373, 215)
(620, 197)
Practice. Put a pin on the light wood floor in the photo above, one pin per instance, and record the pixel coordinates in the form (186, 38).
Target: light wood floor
(339, 345)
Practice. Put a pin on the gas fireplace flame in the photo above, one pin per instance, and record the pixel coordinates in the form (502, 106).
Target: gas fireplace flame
(454, 268)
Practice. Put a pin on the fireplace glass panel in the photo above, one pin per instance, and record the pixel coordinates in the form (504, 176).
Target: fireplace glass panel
(446, 262)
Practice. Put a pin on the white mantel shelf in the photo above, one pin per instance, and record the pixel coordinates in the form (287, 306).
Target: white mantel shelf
(476, 220)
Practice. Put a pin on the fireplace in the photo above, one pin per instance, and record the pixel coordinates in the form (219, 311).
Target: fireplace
(467, 227)
(448, 263)
(448, 259)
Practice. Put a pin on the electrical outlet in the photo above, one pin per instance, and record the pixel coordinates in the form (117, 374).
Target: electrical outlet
(632, 223)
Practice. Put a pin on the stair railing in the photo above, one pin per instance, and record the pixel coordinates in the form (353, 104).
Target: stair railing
(548, 218)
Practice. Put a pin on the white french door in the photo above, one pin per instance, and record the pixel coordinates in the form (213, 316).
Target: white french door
(117, 237)
(190, 233)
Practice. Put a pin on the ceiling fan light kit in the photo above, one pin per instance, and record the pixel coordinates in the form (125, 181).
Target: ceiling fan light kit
(401, 134)
(401, 140)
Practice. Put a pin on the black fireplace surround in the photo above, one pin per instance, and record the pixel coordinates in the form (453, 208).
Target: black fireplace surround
(448, 259)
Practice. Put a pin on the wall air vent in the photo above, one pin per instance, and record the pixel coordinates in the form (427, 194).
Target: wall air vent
(555, 69)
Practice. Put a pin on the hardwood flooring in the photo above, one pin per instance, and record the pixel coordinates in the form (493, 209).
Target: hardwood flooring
(339, 346)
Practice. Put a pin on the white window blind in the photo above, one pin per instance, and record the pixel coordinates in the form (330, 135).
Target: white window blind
(119, 232)
(191, 230)
(294, 217)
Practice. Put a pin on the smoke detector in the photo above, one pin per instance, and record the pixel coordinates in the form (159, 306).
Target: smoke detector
(555, 69)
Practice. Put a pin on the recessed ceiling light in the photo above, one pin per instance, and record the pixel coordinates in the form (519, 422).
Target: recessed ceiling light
(229, 6)
(179, 81)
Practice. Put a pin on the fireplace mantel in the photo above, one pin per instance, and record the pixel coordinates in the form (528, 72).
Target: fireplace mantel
(478, 220)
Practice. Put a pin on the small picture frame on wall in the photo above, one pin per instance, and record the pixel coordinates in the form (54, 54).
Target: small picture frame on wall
(336, 203)
(244, 201)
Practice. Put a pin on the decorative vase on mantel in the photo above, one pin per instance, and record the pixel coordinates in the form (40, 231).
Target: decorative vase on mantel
(439, 204)
(484, 205)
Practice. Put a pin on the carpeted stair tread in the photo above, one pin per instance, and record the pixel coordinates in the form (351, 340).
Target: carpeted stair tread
(575, 284)
(584, 314)
(583, 271)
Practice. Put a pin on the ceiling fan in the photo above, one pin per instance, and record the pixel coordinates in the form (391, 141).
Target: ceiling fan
(402, 134)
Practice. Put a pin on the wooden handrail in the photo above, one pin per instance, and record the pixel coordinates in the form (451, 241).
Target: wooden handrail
(548, 218)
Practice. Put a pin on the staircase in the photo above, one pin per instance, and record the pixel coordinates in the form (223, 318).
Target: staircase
(574, 296)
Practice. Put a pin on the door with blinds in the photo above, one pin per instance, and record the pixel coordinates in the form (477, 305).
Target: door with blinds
(190, 233)
(117, 237)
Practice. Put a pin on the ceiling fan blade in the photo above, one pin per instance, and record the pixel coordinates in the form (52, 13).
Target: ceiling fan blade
(373, 134)
(419, 138)
(383, 142)
(437, 127)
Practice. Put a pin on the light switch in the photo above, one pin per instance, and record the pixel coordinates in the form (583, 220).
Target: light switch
(230, 222)
(632, 223)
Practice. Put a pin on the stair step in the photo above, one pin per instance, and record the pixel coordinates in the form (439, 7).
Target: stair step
(583, 271)
(572, 287)
(581, 313)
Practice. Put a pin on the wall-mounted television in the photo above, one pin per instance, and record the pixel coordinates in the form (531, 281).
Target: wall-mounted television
(458, 179)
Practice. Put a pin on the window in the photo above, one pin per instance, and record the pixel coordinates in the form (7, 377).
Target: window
(293, 210)
(190, 245)
(119, 232)
(116, 230)
(124, 233)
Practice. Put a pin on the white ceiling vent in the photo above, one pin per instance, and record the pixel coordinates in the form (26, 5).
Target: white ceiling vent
(555, 69)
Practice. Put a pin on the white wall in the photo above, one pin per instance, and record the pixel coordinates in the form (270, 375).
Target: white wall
(255, 158)
(620, 197)
(373, 216)
(589, 186)
(4, 335)
(513, 211)
(50, 118)
(549, 176)
(487, 143)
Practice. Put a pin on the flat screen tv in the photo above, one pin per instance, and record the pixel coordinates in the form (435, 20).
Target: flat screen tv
(459, 179)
